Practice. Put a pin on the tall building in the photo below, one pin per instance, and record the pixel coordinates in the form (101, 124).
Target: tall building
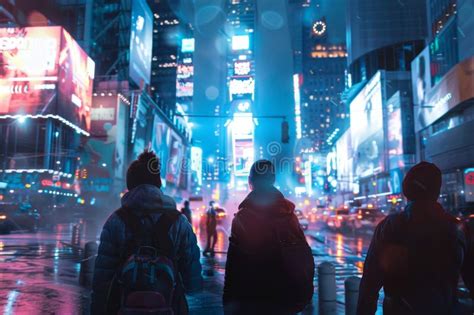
(166, 40)
(239, 132)
(383, 35)
(443, 81)
(323, 113)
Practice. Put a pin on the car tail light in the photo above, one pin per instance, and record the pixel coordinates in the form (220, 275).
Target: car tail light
(359, 217)
(339, 217)
(3, 217)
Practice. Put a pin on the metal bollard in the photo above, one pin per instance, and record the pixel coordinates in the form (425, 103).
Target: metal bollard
(351, 286)
(87, 264)
(327, 289)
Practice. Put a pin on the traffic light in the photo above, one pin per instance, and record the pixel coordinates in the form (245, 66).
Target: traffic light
(285, 135)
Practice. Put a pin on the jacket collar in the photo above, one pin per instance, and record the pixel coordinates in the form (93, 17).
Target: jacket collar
(269, 199)
(146, 198)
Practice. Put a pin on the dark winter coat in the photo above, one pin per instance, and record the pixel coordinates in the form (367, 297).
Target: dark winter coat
(142, 199)
(416, 256)
(251, 283)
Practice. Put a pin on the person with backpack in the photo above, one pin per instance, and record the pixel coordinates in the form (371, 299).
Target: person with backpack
(148, 255)
(270, 267)
(211, 229)
(186, 211)
(417, 255)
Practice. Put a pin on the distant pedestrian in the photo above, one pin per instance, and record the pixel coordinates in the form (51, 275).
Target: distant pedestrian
(186, 211)
(148, 255)
(418, 254)
(211, 229)
(270, 267)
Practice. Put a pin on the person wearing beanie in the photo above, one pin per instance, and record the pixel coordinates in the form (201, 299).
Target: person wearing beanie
(144, 205)
(259, 276)
(417, 255)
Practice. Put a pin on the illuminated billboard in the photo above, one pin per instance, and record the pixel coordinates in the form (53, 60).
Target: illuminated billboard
(369, 159)
(243, 143)
(187, 45)
(297, 98)
(45, 73)
(240, 42)
(453, 89)
(141, 42)
(160, 142)
(196, 164)
(103, 154)
(394, 133)
(240, 87)
(366, 111)
(242, 67)
(344, 162)
(175, 160)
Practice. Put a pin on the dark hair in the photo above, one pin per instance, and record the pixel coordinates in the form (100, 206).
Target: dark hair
(262, 174)
(186, 203)
(422, 182)
(146, 169)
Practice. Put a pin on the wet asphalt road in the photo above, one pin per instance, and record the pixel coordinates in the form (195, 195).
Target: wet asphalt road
(39, 272)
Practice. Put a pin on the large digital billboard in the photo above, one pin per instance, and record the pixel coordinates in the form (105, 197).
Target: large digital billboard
(366, 111)
(395, 133)
(240, 42)
(103, 154)
(196, 164)
(241, 87)
(243, 143)
(175, 160)
(368, 156)
(43, 71)
(141, 42)
(367, 128)
(344, 162)
(454, 88)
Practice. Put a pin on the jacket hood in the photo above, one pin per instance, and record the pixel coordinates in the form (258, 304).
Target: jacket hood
(147, 198)
(267, 200)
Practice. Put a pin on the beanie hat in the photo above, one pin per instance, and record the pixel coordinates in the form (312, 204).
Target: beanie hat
(422, 182)
(146, 169)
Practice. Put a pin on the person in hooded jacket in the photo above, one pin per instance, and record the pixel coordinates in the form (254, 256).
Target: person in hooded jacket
(417, 255)
(144, 198)
(253, 284)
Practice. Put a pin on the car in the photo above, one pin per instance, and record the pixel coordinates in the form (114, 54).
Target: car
(366, 217)
(302, 220)
(5, 224)
(338, 218)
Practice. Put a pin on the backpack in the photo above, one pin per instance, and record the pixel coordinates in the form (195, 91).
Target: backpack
(296, 265)
(148, 277)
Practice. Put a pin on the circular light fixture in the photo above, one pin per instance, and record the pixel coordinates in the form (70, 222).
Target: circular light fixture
(319, 28)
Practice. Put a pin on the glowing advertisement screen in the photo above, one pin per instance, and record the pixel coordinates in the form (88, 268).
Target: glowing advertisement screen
(187, 45)
(160, 142)
(242, 67)
(367, 128)
(104, 152)
(240, 42)
(175, 160)
(241, 87)
(394, 133)
(45, 72)
(368, 158)
(243, 143)
(344, 162)
(141, 42)
(196, 164)
(454, 88)
(184, 80)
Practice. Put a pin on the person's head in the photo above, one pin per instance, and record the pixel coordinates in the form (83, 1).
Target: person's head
(212, 203)
(186, 203)
(262, 175)
(144, 170)
(422, 182)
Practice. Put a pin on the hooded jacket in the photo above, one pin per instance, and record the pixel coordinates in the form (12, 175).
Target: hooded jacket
(417, 257)
(143, 199)
(250, 278)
